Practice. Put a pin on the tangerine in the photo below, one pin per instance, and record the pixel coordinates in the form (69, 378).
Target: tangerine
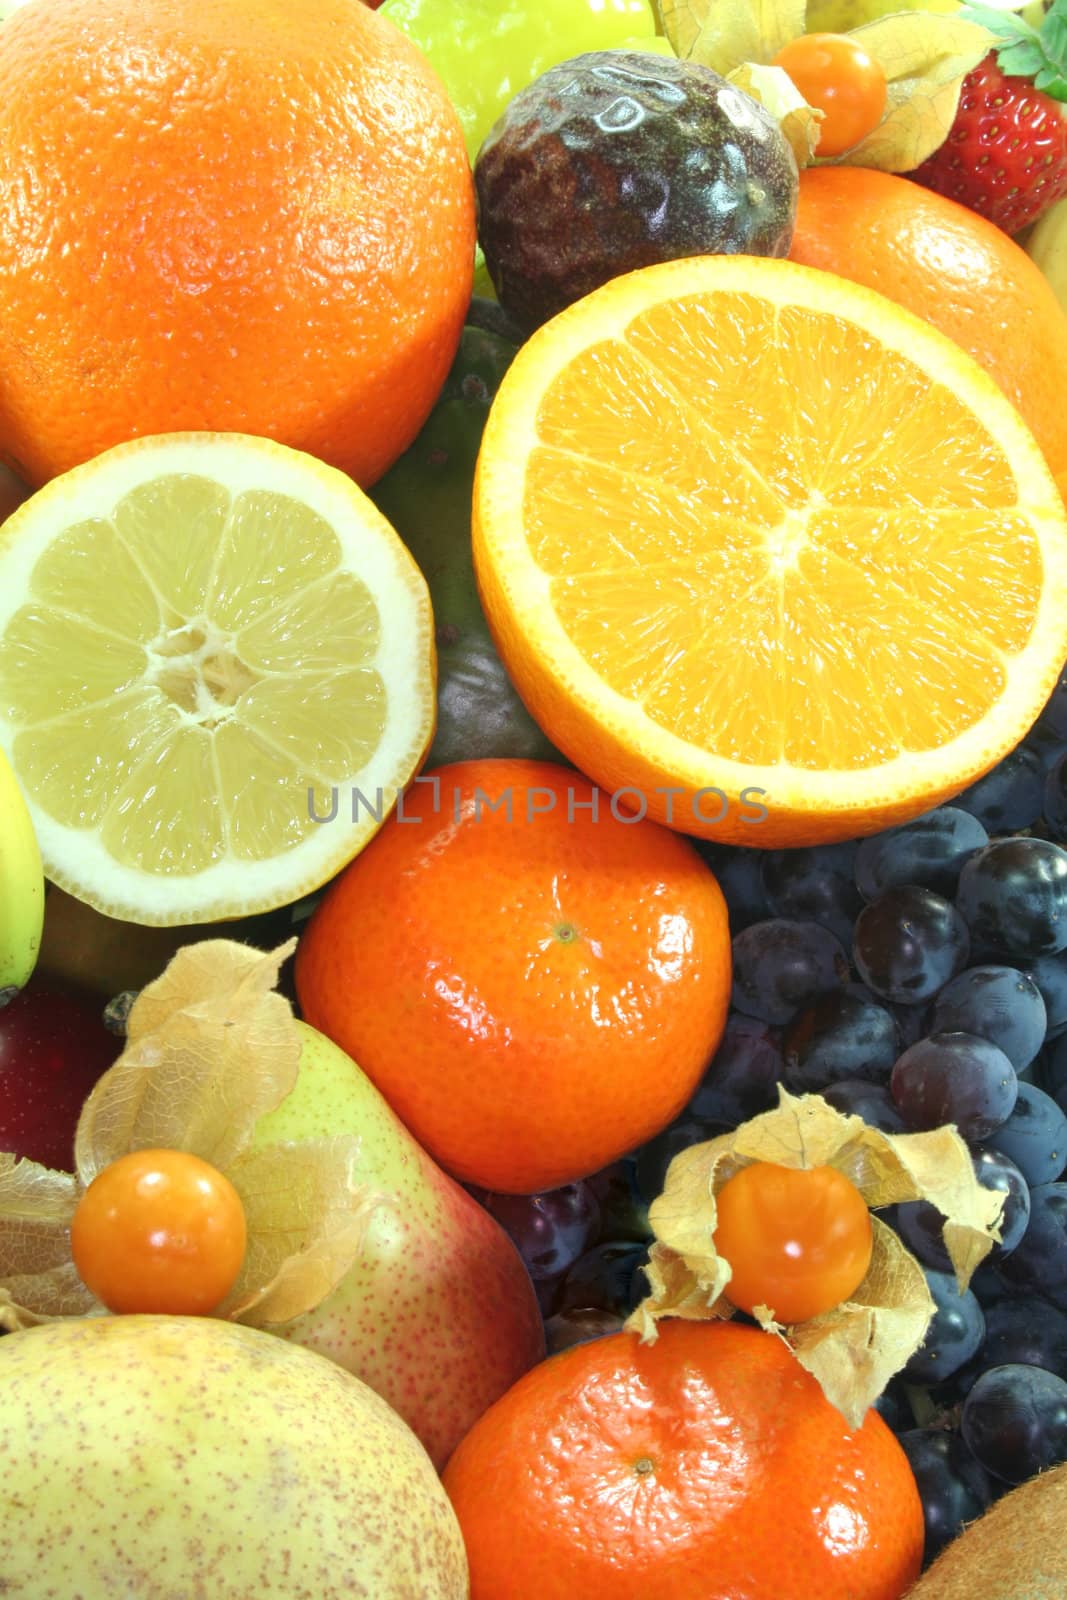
(950, 267)
(707, 1463)
(536, 989)
(239, 218)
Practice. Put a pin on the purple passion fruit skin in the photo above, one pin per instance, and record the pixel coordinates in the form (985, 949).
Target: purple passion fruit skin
(618, 159)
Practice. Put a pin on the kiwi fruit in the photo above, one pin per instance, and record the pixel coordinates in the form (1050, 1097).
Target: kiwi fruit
(1015, 1551)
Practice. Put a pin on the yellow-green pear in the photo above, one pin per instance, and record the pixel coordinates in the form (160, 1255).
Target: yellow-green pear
(438, 1313)
(187, 1458)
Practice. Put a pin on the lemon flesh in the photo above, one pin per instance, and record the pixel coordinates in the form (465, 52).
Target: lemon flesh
(208, 644)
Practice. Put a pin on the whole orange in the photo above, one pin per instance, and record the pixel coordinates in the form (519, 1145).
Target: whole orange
(534, 988)
(250, 216)
(708, 1464)
(954, 269)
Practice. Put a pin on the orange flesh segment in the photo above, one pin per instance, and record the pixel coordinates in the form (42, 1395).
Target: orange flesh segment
(828, 534)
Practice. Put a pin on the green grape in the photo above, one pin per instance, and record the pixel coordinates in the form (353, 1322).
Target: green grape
(485, 51)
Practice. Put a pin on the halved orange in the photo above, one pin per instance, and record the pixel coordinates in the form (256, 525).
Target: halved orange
(741, 525)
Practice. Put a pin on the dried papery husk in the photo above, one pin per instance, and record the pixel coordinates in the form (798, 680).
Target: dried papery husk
(211, 1048)
(854, 1349)
(925, 57)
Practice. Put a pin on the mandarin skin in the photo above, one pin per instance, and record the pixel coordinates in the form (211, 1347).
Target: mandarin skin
(534, 990)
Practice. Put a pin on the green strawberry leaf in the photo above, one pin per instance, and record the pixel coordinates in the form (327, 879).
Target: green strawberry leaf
(1026, 51)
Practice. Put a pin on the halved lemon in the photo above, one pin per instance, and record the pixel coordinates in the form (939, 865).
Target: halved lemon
(740, 525)
(216, 672)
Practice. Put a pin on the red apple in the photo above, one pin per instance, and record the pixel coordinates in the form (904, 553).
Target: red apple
(53, 1048)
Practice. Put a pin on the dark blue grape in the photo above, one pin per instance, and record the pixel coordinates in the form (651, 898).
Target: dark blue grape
(549, 1230)
(953, 1486)
(1013, 897)
(742, 1078)
(623, 1213)
(1026, 1330)
(1050, 975)
(1009, 798)
(1039, 1261)
(847, 1034)
(955, 1333)
(654, 1157)
(909, 943)
(1014, 1421)
(814, 885)
(893, 1408)
(957, 1078)
(1054, 1073)
(780, 966)
(921, 1225)
(996, 1170)
(1054, 801)
(929, 851)
(569, 1328)
(1034, 1136)
(989, 1286)
(1053, 715)
(739, 872)
(870, 1101)
(1045, 745)
(912, 1022)
(997, 1003)
(605, 1278)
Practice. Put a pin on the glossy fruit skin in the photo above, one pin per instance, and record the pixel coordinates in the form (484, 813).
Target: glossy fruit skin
(708, 1463)
(468, 964)
(618, 159)
(953, 268)
(837, 76)
(437, 1312)
(1006, 153)
(53, 1048)
(1013, 896)
(159, 1231)
(426, 495)
(798, 1241)
(290, 253)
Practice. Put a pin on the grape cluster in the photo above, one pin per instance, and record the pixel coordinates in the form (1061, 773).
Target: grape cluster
(915, 978)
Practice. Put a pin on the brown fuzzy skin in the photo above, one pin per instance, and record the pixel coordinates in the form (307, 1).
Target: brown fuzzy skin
(181, 1458)
(1014, 1552)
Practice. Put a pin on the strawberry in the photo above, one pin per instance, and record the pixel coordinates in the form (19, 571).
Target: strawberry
(1006, 153)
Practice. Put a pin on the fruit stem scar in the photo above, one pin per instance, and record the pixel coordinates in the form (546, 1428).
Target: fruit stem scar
(565, 932)
(644, 1465)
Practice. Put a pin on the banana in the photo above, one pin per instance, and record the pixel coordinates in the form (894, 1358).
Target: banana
(21, 887)
(1046, 245)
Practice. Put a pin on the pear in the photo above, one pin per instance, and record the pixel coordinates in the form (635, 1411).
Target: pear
(438, 1314)
(163, 1458)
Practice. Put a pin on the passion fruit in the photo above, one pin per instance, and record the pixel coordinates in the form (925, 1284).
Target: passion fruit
(617, 159)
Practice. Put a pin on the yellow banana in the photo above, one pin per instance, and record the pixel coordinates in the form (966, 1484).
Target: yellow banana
(1046, 245)
(21, 887)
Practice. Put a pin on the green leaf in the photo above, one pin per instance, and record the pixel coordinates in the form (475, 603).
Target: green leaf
(1022, 60)
(1029, 52)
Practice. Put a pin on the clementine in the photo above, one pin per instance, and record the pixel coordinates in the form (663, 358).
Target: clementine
(242, 217)
(534, 985)
(706, 1464)
(954, 269)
